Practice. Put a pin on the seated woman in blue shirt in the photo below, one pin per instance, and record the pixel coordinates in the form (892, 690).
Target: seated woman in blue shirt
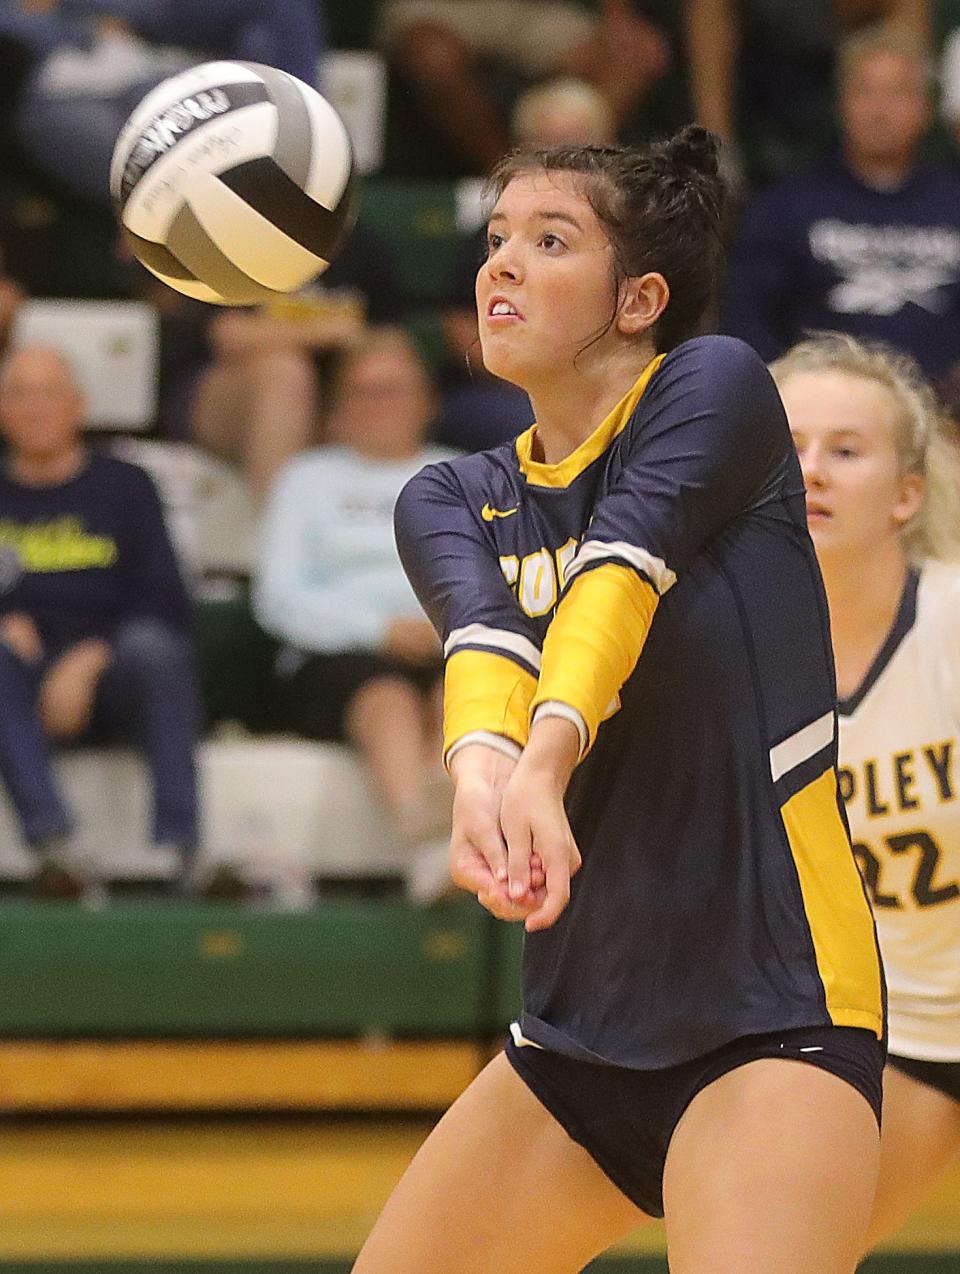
(360, 662)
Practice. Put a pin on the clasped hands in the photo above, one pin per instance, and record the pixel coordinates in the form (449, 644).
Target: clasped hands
(511, 844)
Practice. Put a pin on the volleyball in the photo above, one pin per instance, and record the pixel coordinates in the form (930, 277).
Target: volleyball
(234, 182)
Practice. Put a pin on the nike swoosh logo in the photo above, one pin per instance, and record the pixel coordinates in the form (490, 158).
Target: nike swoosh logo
(488, 513)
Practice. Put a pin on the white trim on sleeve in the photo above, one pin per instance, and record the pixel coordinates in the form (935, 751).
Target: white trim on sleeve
(497, 639)
(557, 708)
(498, 742)
(655, 568)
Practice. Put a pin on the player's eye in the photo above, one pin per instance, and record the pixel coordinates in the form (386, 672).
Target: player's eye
(494, 241)
(551, 241)
(845, 453)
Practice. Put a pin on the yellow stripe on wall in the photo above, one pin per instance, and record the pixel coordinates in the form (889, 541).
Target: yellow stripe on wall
(307, 1075)
(836, 907)
(483, 690)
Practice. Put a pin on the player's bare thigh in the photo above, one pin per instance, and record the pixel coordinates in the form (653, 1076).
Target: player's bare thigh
(921, 1136)
(498, 1188)
(772, 1167)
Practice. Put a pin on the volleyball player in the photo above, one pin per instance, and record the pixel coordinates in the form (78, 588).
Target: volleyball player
(638, 678)
(883, 504)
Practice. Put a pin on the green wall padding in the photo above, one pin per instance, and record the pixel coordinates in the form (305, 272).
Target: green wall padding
(177, 969)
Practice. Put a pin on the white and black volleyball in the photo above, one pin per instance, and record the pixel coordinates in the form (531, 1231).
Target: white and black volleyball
(234, 182)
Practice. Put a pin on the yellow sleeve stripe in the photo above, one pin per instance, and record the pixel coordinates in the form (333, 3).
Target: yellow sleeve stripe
(486, 691)
(838, 914)
(595, 640)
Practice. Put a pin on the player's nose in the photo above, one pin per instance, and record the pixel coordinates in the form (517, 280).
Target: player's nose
(505, 263)
(811, 463)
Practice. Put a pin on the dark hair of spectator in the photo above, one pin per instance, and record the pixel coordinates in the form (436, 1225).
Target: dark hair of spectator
(662, 206)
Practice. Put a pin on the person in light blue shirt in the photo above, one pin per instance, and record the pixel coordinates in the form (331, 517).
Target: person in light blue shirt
(359, 662)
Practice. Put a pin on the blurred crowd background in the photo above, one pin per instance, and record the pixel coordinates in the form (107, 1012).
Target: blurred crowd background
(216, 680)
(223, 816)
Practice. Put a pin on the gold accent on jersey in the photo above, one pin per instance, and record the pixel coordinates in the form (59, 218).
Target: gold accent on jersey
(838, 914)
(563, 473)
(594, 641)
(484, 690)
(488, 512)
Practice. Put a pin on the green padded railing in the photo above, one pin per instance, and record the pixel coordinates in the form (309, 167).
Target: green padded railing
(171, 969)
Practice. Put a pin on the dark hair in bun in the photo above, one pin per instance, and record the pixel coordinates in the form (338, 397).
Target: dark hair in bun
(662, 206)
(693, 150)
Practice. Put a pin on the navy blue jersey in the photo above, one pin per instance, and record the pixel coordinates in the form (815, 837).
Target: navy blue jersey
(82, 556)
(660, 582)
(820, 250)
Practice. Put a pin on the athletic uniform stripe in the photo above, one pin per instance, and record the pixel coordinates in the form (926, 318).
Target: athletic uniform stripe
(478, 635)
(841, 926)
(654, 569)
(801, 746)
(804, 773)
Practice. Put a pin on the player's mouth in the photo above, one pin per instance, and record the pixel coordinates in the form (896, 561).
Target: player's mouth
(817, 512)
(500, 310)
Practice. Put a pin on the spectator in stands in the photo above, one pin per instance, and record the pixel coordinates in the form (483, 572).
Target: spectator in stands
(477, 409)
(253, 395)
(95, 59)
(288, 34)
(562, 112)
(761, 70)
(867, 243)
(360, 663)
(94, 620)
(437, 48)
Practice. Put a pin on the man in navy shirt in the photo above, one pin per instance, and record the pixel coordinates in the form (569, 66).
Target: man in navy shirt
(867, 243)
(94, 618)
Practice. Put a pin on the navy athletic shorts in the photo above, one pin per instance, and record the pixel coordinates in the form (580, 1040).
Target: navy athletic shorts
(943, 1076)
(624, 1119)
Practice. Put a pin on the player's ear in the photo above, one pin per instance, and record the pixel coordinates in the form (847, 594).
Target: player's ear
(912, 488)
(643, 298)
